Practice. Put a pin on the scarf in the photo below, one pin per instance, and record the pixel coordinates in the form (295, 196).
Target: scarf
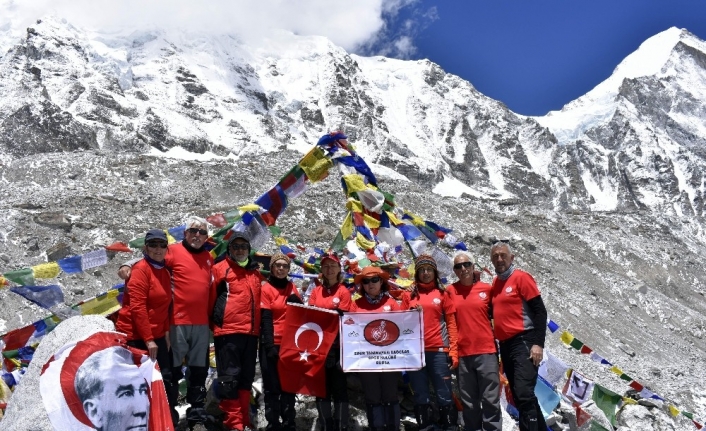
(189, 248)
(154, 263)
(508, 272)
(374, 299)
(279, 283)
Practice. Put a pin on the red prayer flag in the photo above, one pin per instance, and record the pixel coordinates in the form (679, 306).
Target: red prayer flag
(118, 246)
(217, 220)
(637, 386)
(582, 416)
(586, 350)
(308, 335)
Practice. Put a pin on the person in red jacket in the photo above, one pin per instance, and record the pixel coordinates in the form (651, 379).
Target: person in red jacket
(379, 388)
(145, 315)
(332, 294)
(478, 375)
(276, 293)
(440, 344)
(520, 320)
(190, 335)
(235, 295)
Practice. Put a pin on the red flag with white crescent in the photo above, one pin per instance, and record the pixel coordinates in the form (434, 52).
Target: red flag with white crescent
(308, 335)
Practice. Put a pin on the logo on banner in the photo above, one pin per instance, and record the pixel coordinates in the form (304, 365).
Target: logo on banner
(349, 321)
(381, 332)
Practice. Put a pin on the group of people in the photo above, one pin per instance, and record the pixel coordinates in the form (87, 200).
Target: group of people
(176, 295)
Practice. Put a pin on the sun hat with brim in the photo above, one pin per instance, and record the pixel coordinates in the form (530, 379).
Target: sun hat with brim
(371, 271)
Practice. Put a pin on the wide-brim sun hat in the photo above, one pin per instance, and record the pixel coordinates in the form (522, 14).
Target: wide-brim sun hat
(369, 272)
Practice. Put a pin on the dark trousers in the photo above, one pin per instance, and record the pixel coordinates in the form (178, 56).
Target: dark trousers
(336, 381)
(236, 356)
(164, 360)
(278, 404)
(522, 376)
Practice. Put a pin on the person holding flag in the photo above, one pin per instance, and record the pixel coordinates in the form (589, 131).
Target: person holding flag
(332, 294)
(235, 299)
(440, 344)
(276, 293)
(380, 388)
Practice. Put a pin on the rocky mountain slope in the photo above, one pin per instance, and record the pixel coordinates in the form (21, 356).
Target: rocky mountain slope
(602, 201)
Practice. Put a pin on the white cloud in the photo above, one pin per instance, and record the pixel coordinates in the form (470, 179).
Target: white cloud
(368, 27)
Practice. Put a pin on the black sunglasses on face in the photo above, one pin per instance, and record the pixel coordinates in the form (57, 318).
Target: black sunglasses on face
(462, 265)
(194, 231)
(157, 244)
(370, 280)
(239, 247)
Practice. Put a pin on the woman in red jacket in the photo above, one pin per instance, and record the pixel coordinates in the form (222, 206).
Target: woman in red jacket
(235, 293)
(331, 294)
(145, 315)
(440, 344)
(379, 388)
(276, 293)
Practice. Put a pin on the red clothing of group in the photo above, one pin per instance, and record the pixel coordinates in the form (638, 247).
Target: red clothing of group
(475, 333)
(145, 311)
(435, 304)
(275, 300)
(192, 280)
(334, 298)
(242, 312)
(387, 303)
(509, 298)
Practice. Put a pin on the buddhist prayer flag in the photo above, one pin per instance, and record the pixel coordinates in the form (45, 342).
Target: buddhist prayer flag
(308, 335)
(46, 270)
(553, 327)
(70, 265)
(578, 387)
(274, 202)
(118, 246)
(44, 296)
(607, 401)
(93, 259)
(23, 277)
(546, 396)
(552, 369)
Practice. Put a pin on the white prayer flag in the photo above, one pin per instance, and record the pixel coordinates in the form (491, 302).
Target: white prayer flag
(93, 259)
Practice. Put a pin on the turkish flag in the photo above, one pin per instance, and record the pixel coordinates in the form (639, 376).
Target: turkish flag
(308, 335)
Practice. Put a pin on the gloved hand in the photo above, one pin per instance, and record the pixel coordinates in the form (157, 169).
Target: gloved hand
(294, 299)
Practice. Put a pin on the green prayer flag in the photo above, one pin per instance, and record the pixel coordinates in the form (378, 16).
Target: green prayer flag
(23, 277)
(626, 377)
(576, 344)
(275, 230)
(338, 243)
(389, 201)
(218, 236)
(137, 243)
(607, 401)
(218, 250)
(689, 415)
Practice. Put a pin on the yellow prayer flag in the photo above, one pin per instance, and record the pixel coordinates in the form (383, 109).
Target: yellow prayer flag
(354, 205)
(566, 338)
(102, 305)
(347, 227)
(371, 221)
(393, 218)
(416, 220)
(45, 270)
(315, 164)
(354, 183)
(279, 240)
(170, 238)
(248, 208)
(363, 242)
(628, 400)
(673, 411)
(616, 370)
(3, 281)
(404, 282)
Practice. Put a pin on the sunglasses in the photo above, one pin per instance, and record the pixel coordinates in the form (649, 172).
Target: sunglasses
(157, 244)
(370, 280)
(239, 246)
(194, 231)
(463, 265)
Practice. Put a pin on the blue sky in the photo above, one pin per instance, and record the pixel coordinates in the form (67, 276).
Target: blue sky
(536, 56)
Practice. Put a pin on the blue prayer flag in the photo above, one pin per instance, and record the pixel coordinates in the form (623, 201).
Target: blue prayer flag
(44, 296)
(70, 265)
(177, 232)
(553, 326)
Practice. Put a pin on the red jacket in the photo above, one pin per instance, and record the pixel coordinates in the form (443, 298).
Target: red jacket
(145, 312)
(475, 333)
(242, 312)
(387, 303)
(335, 298)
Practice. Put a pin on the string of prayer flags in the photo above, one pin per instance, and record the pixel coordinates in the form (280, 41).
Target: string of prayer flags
(273, 202)
(553, 327)
(44, 296)
(582, 416)
(294, 182)
(315, 164)
(23, 277)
